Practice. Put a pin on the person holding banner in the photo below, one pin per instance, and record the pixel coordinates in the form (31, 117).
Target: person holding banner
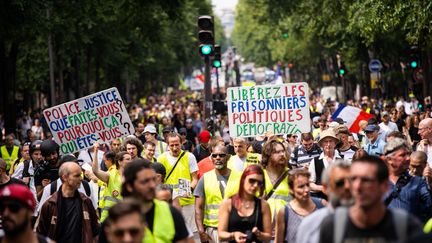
(112, 179)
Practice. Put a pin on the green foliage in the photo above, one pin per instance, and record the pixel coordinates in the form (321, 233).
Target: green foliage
(98, 44)
(311, 33)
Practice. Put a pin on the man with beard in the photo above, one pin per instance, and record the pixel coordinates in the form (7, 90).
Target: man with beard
(275, 157)
(17, 204)
(211, 189)
(335, 182)
(164, 222)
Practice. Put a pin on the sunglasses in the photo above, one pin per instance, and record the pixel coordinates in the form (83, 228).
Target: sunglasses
(14, 207)
(121, 232)
(182, 133)
(341, 182)
(253, 181)
(220, 155)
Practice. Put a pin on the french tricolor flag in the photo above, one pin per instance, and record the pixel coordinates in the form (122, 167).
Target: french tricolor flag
(352, 116)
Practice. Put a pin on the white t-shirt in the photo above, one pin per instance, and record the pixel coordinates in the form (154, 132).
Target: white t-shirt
(193, 165)
(388, 128)
(86, 156)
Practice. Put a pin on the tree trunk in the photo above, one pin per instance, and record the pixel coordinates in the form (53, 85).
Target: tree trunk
(8, 80)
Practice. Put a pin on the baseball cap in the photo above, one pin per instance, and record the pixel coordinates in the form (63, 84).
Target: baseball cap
(204, 136)
(150, 128)
(182, 130)
(371, 128)
(384, 113)
(315, 119)
(20, 193)
(188, 120)
(167, 129)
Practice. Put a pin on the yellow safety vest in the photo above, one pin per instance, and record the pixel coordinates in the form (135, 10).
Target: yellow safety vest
(213, 195)
(163, 224)
(280, 197)
(428, 226)
(180, 171)
(15, 165)
(9, 158)
(111, 194)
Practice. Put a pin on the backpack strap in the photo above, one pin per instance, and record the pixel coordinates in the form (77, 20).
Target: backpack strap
(286, 214)
(340, 220)
(317, 202)
(53, 187)
(400, 222)
(86, 188)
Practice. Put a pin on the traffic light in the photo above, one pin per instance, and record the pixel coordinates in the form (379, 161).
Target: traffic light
(217, 56)
(342, 69)
(206, 35)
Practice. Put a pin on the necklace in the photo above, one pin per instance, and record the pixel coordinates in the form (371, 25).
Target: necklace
(246, 205)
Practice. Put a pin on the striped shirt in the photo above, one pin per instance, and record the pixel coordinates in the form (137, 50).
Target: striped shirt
(301, 157)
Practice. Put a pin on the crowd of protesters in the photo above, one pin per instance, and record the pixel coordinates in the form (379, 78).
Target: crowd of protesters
(180, 178)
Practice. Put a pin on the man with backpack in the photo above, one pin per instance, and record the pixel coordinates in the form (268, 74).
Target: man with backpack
(368, 220)
(84, 187)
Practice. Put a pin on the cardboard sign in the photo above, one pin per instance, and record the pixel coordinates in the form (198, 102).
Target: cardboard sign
(279, 109)
(77, 124)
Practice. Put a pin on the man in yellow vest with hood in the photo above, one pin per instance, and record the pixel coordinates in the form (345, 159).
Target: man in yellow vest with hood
(181, 175)
(9, 152)
(212, 188)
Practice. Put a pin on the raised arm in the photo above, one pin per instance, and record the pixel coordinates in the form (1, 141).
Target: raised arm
(102, 175)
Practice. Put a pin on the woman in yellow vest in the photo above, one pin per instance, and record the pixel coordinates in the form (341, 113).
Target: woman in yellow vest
(112, 178)
(244, 215)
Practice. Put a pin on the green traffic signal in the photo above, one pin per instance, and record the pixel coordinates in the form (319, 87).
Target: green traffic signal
(205, 50)
(341, 71)
(216, 63)
(413, 64)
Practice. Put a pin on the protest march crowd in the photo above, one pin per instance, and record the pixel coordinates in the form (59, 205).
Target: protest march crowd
(361, 173)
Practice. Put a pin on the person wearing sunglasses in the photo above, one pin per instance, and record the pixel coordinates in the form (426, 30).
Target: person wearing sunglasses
(212, 188)
(336, 186)
(17, 204)
(245, 217)
(125, 222)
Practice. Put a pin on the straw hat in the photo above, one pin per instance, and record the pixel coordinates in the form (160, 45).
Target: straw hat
(329, 133)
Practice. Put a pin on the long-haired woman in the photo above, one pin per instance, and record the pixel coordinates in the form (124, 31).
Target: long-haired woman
(245, 217)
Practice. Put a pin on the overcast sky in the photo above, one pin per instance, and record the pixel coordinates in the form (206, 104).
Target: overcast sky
(221, 4)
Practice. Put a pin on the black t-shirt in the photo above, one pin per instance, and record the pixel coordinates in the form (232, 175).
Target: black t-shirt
(384, 231)
(72, 227)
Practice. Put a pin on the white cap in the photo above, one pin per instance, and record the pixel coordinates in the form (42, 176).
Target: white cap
(150, 128)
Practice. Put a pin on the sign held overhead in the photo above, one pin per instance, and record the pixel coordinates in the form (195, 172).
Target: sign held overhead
(77, 124)
(279, 109)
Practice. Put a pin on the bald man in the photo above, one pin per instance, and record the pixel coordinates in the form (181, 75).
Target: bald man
(76, 219)
(425, 145)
